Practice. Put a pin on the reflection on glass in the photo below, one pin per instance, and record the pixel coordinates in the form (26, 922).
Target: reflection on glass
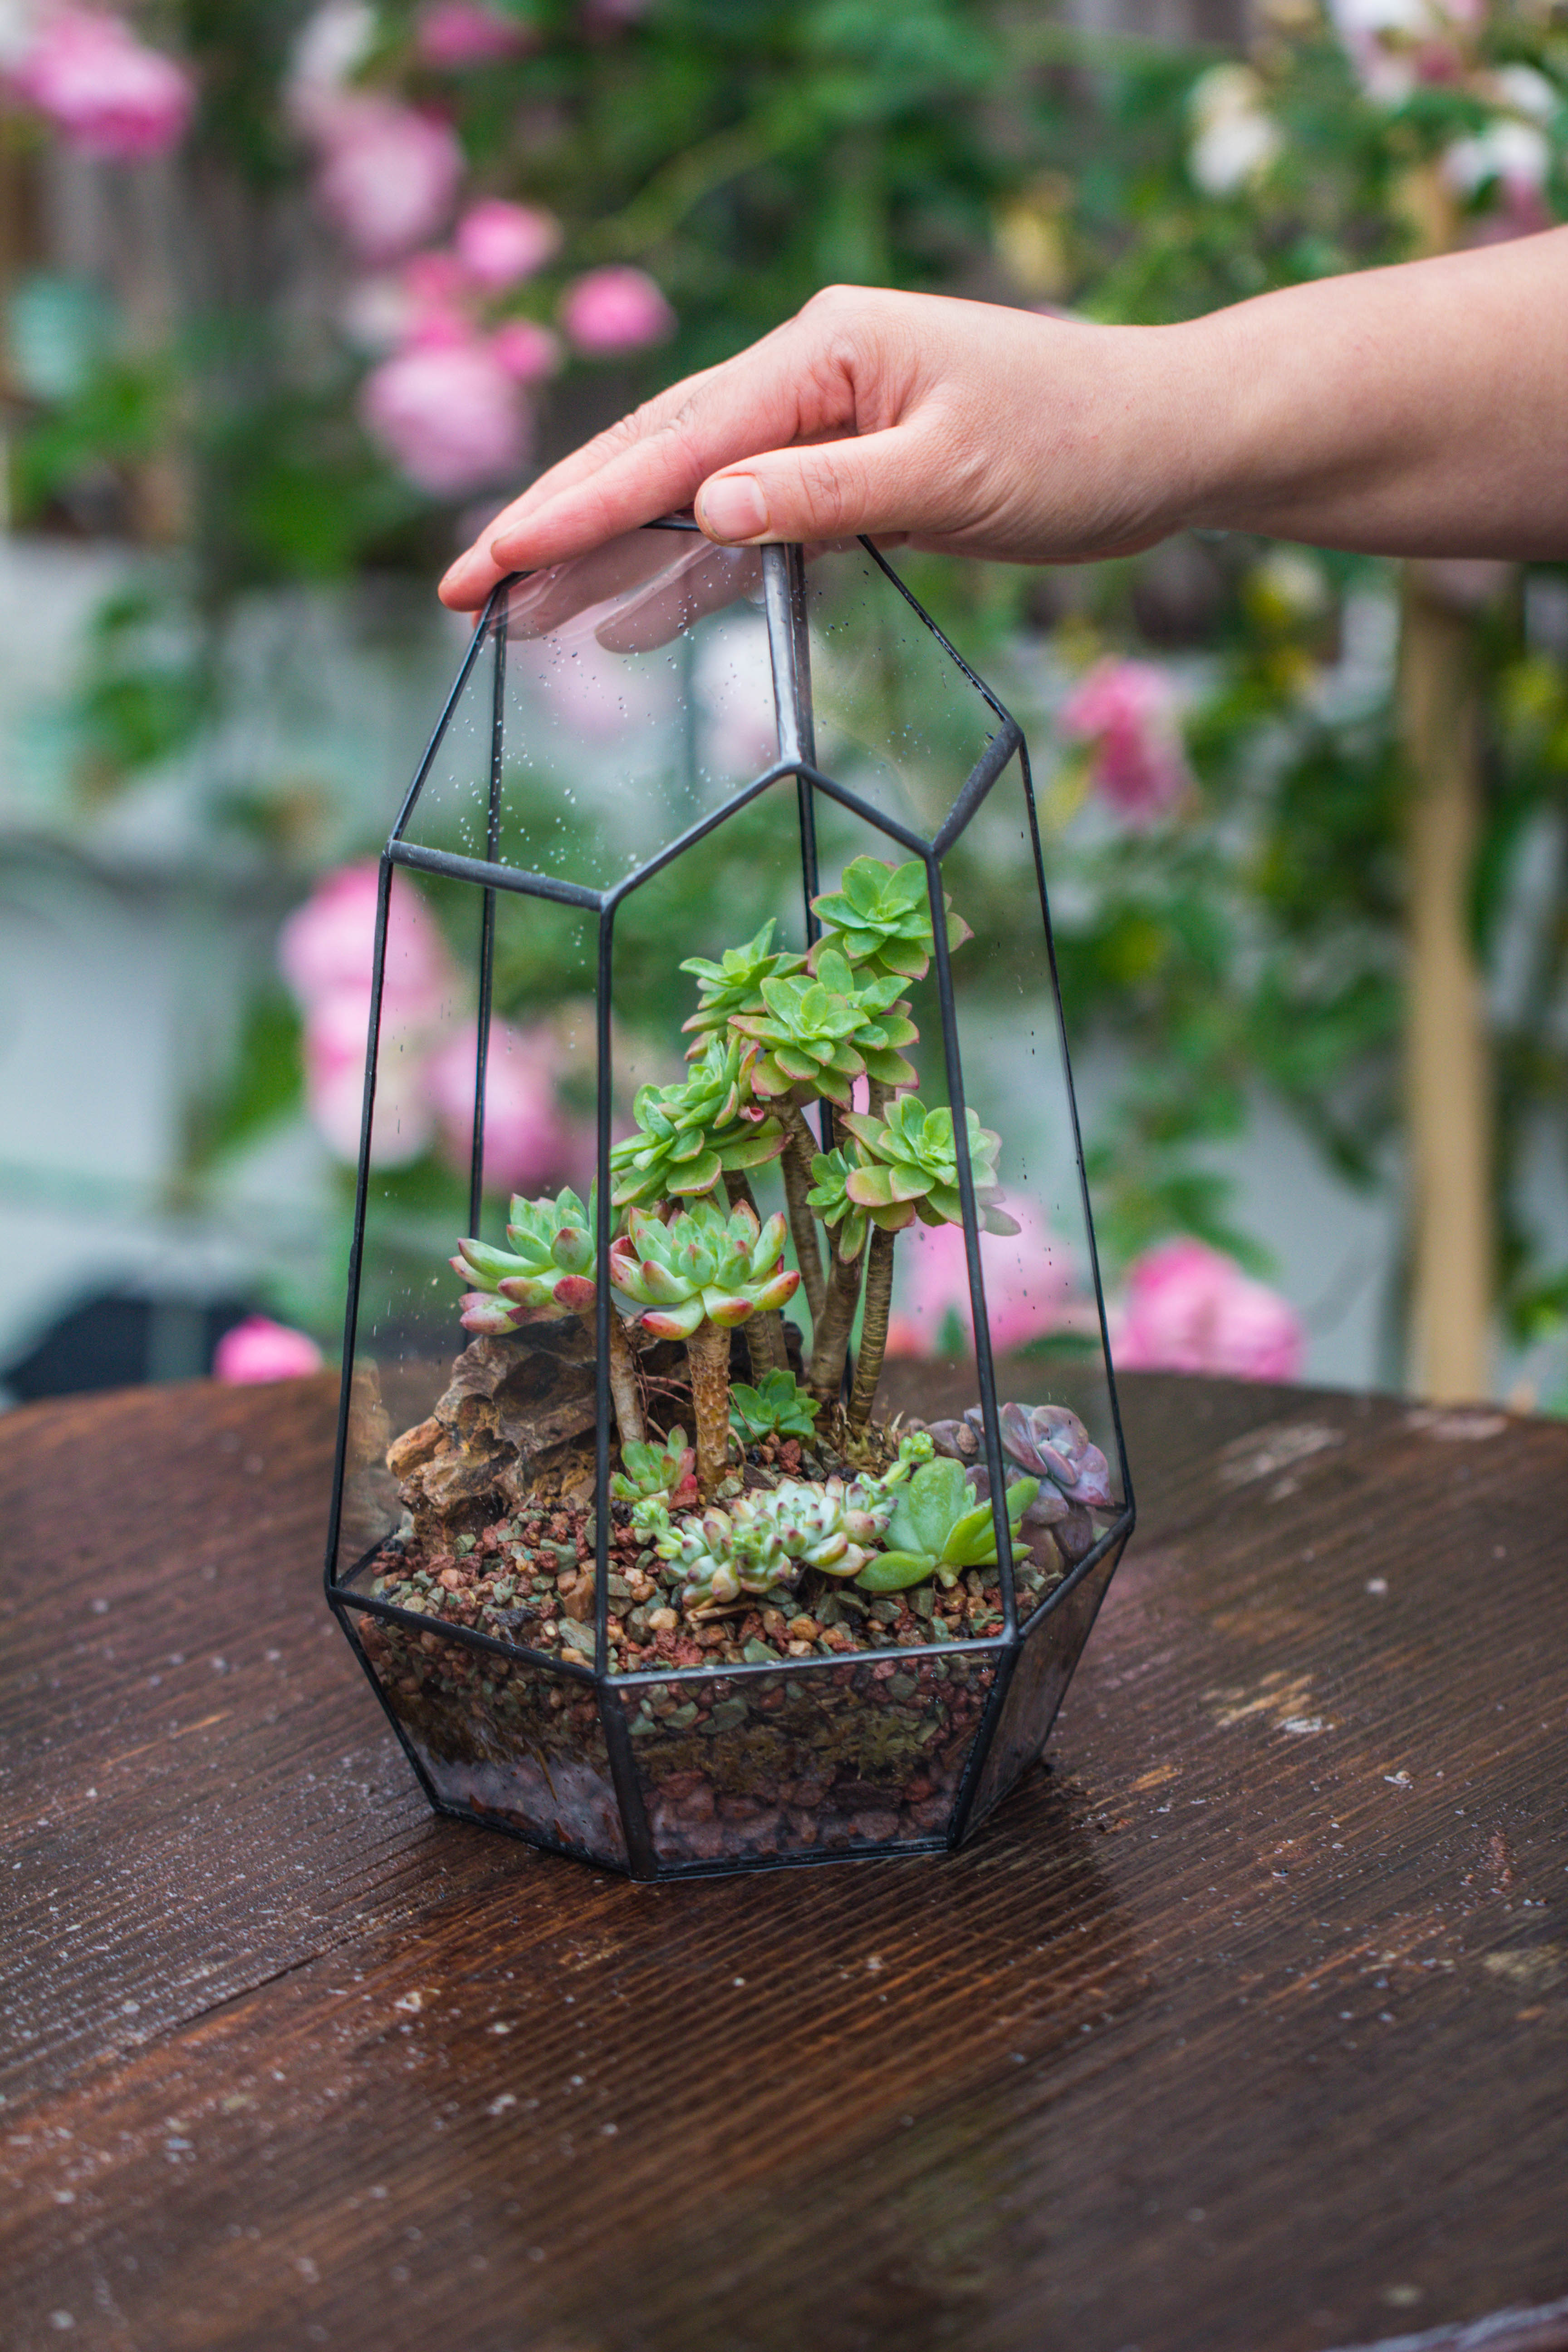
(822, 1760)
(501, 1738)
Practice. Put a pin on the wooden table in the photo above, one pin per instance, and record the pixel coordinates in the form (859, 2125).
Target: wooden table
(1243, 2025)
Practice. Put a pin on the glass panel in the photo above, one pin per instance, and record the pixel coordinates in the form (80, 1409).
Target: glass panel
(815, 1759)
(1041, 1673)
(452, 1431)
(1041, 1311)
(897, 719)
(501, 1738)
(637, 695)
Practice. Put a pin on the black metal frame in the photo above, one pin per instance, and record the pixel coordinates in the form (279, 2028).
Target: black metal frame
(783, 580)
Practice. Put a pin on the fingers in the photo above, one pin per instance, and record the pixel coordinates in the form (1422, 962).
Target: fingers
(879, 483)
(652, 463)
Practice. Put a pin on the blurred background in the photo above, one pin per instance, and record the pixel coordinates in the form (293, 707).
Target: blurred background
(294, 297)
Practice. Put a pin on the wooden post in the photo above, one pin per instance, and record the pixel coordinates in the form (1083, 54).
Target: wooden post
(1447, 1074)
(1447, 1064)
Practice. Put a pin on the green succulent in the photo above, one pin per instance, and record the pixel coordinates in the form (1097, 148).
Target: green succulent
(734, 984)
(831, 1199)
(702, 1267)
(880, 918)
(823, 1031)
(688, 1135)
(547, 1272)
(765, 1540)
(777, 1407)
(909, 1167)
(656, 1466)
(938, 1530)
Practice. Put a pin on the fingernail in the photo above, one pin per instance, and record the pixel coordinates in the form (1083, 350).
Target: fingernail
(733, 508)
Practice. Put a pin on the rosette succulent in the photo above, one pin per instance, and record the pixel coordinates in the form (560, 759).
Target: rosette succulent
(822, 1032)
(765, 1540)
(702, 1267)
(938, 1530)
(777, 1407)
(690, 1135)
(1043, 1442)
(734, 984)
(665, 1467)
(695, 1278)
(909, 1167)
(547, 1272)
(880, 918)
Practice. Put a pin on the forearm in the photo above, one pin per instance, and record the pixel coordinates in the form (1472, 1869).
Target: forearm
(1422, 409)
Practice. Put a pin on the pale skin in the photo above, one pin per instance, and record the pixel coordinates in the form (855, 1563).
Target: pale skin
(1415, 411)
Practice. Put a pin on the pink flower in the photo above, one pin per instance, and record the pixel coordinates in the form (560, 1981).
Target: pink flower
(388, 173)
(336, 1030)
(529, 353)
(615, 309)
(1030, 1287)
(1127, 710)
(326, 951)
(450, 415)
(525, 1142)
(259, 1349)
(457, 32)
(327, 947)
(501, 244)
(1188, 1308)
(103, 88)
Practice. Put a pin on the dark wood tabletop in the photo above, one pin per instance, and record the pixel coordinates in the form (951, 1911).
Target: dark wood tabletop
(1241, 2027)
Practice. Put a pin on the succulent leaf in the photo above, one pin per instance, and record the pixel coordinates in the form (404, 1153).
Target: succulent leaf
(689, 1134)
(734, 983)
(778, 1406)
(879, 919)
(656, 1466)
(910, 1155)
(702, 1265)
(764, 1540)
(936, 1522)
(547, 1273)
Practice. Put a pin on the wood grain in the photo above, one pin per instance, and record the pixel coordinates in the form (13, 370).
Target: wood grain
(1243, 2025)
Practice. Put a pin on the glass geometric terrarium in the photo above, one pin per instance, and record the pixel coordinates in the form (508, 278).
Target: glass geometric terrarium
(691, 1512)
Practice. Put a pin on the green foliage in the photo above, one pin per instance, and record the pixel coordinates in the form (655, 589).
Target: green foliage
(547, 1272)
(763, 1540)
(734, 984)
(909, 1167)
(688, 1135)
(820, 1030)
(879, 920)
(702, 1267)
(777, 1407)
(938, 1530)
(658, 1465)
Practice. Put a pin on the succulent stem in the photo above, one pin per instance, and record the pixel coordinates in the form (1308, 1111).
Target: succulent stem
(800, 1148)
(708, 1357)
(623, 1389)
(766, 1332)
(874, 1330)
(830, 1340)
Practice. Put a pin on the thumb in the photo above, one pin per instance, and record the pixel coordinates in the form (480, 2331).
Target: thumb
(831, 489)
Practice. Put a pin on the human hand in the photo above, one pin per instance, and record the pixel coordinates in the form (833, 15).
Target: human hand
(963, 426)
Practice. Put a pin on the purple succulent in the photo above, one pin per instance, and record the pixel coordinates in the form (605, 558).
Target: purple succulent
(1045, 1441)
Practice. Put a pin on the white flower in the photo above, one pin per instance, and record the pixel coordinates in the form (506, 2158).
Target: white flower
(1527, 92)
(1236, 139)
(1517, 153)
